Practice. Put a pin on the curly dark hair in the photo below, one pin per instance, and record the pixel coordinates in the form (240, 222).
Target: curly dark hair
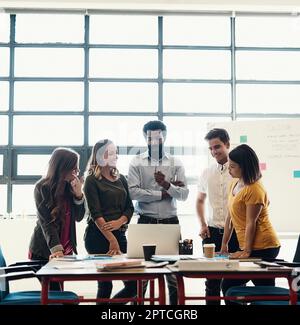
(154, 125)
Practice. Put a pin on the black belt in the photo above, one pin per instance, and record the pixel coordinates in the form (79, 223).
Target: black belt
(146, 219)
(219, 230)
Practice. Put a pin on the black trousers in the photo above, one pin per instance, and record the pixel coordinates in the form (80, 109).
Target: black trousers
(268, 253)
(171, 279)
(213, 287)
(96, 243)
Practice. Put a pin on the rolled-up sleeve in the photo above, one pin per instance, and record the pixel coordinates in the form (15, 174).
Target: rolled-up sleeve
(92, 198)
(203, 182)
(135, 189)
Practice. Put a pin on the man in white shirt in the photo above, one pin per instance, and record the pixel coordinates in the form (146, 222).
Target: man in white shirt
(214, 185)
(156, 180)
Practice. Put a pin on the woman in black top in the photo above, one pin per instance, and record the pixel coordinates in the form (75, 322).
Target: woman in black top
(110, 209)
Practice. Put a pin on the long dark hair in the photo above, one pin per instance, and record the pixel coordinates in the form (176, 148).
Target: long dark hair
(93, 168)
(62, 161)
(248, 161)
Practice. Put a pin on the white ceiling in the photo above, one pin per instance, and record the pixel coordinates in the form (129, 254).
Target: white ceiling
(159, 5)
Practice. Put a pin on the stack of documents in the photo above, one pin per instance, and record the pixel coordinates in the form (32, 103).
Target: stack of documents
(120, 264)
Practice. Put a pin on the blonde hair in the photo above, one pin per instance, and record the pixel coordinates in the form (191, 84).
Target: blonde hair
(93, 168)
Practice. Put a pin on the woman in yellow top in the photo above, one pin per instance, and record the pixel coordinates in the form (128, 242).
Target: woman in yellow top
(248, 213)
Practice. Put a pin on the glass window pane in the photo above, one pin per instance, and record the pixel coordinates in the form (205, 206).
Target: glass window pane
(3, 130)
(188, 131)
(264, 65)
(123, 63)
(130, 97)
(42, 28)
(268, 99)
(23, 200)
(1, 165)
(4, 62)
(201, 30)
(123, 29)
(3, 196)
(49, 62)
(268, 31)
(193, 164)
(123, 163)
(32, 96)
(48, 130)
(4, 95)
(196, 64)
(123, 131)
(188, 207)
(32, 164)
(197, 98)
(4, 28)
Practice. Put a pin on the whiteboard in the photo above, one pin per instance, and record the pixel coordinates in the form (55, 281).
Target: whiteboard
(277, 144)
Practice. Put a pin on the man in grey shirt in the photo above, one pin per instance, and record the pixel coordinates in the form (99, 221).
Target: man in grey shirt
(156, 180)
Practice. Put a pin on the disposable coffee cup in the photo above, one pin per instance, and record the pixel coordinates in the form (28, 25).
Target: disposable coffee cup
(149, 250)
(209, 250)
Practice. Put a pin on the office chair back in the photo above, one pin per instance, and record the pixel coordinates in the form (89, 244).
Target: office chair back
(2, 259)
(297, 253)
(27, 297)
(3, 283)
(243, 291)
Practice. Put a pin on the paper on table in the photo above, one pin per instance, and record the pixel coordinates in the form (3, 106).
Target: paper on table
(75, 258)
(173, 258)
(249, 265)
(120, 263)
(62, 266)
(249, 259)
(150, 264)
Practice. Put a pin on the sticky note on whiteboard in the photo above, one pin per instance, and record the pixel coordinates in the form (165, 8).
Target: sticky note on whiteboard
(296, 173)
(262, 166)
(243, 139)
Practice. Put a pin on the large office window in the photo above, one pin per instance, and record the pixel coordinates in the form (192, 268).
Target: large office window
(1, 165)
(52, 96)
(35, 28)
(267, 65)
(3, 130)
(71, 80)
(3, 195)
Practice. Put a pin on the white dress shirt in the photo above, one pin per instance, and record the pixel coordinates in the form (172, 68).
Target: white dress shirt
(214, 182)
(144, 189)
